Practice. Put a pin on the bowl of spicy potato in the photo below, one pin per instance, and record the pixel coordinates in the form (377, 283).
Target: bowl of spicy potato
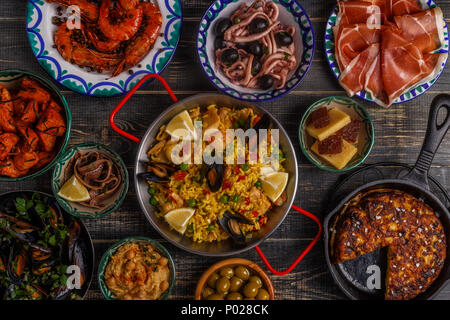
(35, 125)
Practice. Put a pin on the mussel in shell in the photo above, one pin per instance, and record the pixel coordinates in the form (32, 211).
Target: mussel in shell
(230, 222)
(16, 264)
(214, 176)
(158, 172)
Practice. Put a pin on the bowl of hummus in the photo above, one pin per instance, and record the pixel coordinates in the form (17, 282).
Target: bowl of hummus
(136, 268)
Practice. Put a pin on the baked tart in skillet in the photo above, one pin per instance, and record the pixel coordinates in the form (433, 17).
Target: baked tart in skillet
(406, 225)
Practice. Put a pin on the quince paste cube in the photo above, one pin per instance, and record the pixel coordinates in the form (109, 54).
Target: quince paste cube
(338, 160)
(338, 120)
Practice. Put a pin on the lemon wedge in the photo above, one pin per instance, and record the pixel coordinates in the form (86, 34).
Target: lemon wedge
(73, 190)
(179, 218)
(273, 184)
(181, 126)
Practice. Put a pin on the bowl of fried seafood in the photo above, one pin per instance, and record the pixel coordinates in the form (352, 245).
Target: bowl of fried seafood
(136, 268)
(35, 123)
(105, 47)
(90, 181)
(255, 50)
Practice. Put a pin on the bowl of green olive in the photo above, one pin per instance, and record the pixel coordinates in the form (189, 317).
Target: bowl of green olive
(235, 279)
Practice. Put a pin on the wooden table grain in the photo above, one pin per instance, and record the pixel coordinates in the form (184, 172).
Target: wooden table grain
(399, 134)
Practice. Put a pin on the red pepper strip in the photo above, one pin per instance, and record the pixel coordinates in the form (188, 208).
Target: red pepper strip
(303, 254)
(240, 178)
(236, 170)
(255, 213)
(226, 185)
(180, 175)
(247, 201)
(256, 120)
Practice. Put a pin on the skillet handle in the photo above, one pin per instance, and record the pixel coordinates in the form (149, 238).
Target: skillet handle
(303, 254)
(433, 138)
(128, 96)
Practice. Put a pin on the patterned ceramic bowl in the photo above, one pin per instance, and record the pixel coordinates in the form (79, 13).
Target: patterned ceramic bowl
(411, 94)
(40, 30)
(291, 13)
(76, 209)
(9, 79)
(106, 257)
(366, 137)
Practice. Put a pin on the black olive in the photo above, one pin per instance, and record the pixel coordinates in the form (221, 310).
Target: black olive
(266, 82)
(221, 26)
(242, 45)
(255, 48)
(229, 56)
(219, 43)
(256, 66)
(283, 39)
(258, 25)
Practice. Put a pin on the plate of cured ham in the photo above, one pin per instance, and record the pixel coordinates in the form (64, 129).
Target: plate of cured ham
(386, 51)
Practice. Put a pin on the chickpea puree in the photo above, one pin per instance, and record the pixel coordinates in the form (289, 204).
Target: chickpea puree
(136, 271)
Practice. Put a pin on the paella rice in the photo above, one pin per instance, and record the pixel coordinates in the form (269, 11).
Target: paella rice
(238, 192)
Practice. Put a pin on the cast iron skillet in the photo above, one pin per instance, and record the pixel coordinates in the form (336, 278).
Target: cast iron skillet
(351, 276)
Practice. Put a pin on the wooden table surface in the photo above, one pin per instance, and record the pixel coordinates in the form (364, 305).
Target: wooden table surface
(399, 134)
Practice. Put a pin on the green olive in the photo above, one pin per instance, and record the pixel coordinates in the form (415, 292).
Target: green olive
(222, 285)
(250, 289)
(212, 280)
(257, 280)
(227, 272)
(262, 294)
(235, 284)
(242, 272)
(215, 296)
(207, 292)
(234, 296)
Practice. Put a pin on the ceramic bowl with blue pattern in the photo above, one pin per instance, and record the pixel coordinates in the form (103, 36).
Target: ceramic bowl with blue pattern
(291, 14)
(40, 31)
(110, 204)
(414, 92)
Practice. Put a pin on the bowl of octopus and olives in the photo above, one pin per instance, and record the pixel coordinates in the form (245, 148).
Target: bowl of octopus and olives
(235, 279)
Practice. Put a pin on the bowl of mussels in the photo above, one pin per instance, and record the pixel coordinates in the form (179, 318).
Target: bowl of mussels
(45, 253)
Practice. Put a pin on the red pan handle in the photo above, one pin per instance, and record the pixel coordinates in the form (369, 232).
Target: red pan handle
(303, 254)
(128, 96)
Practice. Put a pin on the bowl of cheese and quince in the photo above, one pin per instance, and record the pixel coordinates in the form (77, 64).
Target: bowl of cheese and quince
(336, 134)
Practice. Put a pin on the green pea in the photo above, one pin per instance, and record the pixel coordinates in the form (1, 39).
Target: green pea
(235, 198)
(224, 199)
(211, 227)
(192, 203)
(245, 167)
(236, 125)
(153, 201)
(151, 190)
(258, 184)
(183, 166)
(237, 20)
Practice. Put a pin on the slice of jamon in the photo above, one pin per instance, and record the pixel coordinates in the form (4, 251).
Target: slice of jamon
(369, 11)
(401, 7)
(352, 40)
(353, 78)
(424, 28)
(403, 64)
(374, 83)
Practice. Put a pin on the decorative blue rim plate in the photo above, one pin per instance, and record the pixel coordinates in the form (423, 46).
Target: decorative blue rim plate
(407, 96)
(205, 50)
(40, 32)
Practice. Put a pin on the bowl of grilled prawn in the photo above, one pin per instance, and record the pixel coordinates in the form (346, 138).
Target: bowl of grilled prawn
(105, 47)
(35, 123)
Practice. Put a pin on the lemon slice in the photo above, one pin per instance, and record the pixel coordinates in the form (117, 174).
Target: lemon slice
(181, 126)
(178, 218)
(73, 190)
(273, 184)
